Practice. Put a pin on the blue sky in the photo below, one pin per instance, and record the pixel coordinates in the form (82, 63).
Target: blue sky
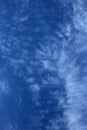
(43, 69)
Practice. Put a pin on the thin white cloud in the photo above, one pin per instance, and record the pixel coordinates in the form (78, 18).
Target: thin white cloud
(4, 87)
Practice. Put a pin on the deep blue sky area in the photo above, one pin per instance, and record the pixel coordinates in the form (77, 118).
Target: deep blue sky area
(43, 68)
